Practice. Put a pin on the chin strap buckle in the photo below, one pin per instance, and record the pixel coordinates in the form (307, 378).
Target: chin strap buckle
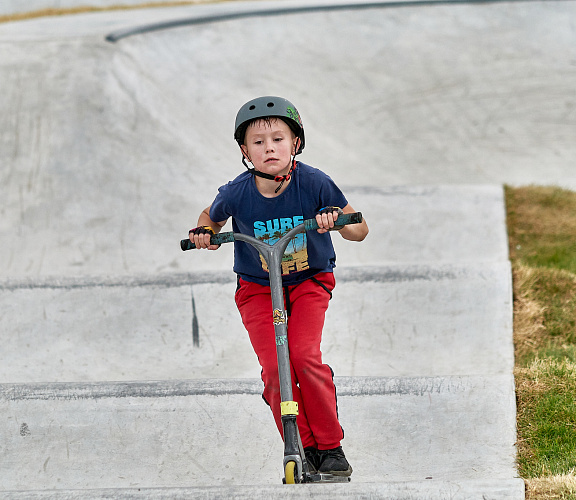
(282, 178)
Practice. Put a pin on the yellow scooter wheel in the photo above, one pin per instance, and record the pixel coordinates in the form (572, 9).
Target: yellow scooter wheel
(290, 472)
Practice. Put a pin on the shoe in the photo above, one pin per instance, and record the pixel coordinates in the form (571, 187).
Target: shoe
(312, 458)
(334, 462)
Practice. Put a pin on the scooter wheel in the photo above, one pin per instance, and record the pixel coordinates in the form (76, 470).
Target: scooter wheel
(290, 473)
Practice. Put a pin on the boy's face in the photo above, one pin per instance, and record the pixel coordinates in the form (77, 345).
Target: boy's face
(269, 146)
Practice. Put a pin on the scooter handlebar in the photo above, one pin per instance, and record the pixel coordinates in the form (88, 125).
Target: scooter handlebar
(309, 225)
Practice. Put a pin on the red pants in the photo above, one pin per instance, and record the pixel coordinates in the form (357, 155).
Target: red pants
(312, 384)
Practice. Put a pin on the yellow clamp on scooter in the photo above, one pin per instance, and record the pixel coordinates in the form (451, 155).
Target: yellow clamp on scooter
(289, 408)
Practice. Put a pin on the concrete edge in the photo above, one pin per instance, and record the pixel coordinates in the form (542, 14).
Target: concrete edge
(500, 489)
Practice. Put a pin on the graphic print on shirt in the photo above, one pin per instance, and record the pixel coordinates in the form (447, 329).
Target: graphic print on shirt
(296, 254)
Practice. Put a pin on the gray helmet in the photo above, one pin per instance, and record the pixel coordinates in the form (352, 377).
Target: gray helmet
(269, 106)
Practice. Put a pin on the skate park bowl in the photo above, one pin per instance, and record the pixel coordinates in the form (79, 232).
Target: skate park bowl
(125, 371)
(111, 148)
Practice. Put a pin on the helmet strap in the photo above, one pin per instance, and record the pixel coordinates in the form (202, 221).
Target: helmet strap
(278, 178)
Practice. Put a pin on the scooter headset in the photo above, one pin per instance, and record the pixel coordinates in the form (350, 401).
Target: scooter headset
(269, 107)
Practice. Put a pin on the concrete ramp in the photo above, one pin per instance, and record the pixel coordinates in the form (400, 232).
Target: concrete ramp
(144, 387)
(446, 290)
(383, 321)
(217, 434)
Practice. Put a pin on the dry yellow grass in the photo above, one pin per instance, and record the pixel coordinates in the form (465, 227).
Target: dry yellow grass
(84, 9)
(529, 330)
(543, 209)
(562, 487)
(544, 312)
(542, 226)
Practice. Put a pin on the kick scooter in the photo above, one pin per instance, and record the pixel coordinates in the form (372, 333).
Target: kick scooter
(296, 469)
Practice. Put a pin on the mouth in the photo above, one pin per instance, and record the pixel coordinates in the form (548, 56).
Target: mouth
(271, 160)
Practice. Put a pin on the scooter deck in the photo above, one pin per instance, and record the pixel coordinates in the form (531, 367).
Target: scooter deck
(326, 478)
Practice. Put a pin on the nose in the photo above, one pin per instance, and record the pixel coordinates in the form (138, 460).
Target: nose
(269, 146)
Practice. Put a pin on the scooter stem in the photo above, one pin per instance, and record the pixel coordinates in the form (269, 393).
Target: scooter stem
(272, 254)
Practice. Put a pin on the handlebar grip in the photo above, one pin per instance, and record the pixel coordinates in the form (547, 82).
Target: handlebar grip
(216, 239)
(343, 220)
(309, 225)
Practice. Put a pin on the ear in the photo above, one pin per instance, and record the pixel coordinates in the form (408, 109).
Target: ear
(244, 150)
(295, 145)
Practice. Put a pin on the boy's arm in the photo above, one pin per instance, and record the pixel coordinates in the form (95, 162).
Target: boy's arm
(352, 232)
(203, 240)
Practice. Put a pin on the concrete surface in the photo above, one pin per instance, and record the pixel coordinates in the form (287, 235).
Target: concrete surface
(219, 433)
(463, 224)
(109, 151)
(446, 287)
(383, 321)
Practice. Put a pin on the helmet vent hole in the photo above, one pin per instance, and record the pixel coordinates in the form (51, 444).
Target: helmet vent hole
(270, 104)
(252, 107)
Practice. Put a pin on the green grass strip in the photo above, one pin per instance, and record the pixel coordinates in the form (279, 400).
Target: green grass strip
(542, 237)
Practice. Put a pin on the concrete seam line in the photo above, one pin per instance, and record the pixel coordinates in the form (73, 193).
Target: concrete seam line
(345, 386)
(391, 273)
(119, 390)
(117, 35)
(162, 281)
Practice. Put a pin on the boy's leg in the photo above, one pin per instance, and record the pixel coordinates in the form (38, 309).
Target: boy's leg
(255, 306)
(309, 302)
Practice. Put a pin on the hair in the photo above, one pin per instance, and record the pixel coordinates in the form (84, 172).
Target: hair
(268, 121)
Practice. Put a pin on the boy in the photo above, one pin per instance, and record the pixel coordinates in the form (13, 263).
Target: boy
(276, 194)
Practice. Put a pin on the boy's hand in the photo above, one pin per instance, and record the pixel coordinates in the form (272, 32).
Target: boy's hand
(201, 235)
(326, 218)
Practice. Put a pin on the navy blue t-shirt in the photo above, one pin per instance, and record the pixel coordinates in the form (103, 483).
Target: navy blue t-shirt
(309, 253)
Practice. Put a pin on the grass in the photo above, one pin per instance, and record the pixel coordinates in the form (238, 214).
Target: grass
(542, 239)
(554, 487)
